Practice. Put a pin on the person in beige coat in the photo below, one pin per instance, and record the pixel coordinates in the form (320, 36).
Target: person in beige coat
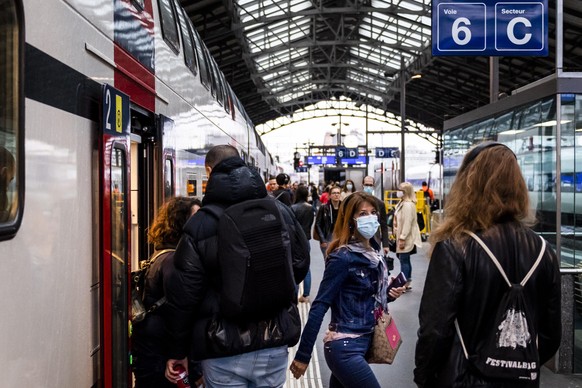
(406, 230)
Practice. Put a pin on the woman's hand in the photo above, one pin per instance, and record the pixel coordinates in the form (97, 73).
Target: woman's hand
(323, 244)
(401, 243)
(171, 373)
(298, 368)
(395, 292)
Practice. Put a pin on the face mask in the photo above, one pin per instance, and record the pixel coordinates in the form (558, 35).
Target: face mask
(349, 187)
(368, 189)
(399, 194)
(367, 225)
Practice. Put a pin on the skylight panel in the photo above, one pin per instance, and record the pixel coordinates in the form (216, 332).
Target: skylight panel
(411, 5)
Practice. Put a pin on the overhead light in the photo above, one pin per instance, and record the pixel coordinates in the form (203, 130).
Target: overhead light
(416, 75)
(512, 132)
(551, 123)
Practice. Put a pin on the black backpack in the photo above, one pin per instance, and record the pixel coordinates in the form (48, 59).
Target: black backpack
(138, 278)
(255, 258)
(510, 351)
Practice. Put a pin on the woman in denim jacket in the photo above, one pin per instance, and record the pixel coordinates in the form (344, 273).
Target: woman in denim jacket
(354, 284)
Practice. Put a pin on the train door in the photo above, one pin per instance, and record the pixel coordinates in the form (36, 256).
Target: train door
(114, 183)
(146, 166)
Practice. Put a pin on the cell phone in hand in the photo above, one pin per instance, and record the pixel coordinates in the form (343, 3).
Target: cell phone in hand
(398, 281)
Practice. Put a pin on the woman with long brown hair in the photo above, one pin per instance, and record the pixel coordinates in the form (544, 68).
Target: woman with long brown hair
(488, 203)
(354, 284)
(149, 337)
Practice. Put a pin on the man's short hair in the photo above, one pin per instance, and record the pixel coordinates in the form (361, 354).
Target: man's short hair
(424, 183)
(218, 153)
(369, 176)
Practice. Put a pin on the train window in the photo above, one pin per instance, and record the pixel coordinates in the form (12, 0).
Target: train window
(212, 71)
(221, 89)
(169, 26)
(189, 57)
(204, 76)
(139, 4)
(191, 188)
(11, 134)
(168, 178)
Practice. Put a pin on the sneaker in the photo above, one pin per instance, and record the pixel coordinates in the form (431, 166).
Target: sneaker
(303, 299)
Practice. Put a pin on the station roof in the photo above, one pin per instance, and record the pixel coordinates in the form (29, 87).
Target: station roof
(280, 56)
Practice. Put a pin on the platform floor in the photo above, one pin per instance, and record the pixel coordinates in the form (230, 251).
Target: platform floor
(405, 311)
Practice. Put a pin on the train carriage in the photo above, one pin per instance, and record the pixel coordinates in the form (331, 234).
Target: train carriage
(107, 107)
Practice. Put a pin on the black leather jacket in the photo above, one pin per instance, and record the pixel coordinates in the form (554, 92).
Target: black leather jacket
(193, 319)
(462, 282)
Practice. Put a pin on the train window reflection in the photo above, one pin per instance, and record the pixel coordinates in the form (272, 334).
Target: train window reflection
(11, 174)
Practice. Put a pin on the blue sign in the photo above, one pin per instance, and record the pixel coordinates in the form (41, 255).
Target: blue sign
(349, 153)
(341, 152)
(490, 27)
(387, 152)
(116, 115)
(359, 160)
(321, 160)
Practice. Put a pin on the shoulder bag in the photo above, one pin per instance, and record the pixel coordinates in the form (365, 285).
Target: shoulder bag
(385, 340)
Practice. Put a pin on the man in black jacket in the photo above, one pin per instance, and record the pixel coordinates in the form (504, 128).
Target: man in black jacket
(246, 351)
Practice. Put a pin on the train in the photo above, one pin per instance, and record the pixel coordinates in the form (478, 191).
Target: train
(107, 109)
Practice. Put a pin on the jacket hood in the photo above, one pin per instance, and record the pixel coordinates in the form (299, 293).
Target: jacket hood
(232, 181)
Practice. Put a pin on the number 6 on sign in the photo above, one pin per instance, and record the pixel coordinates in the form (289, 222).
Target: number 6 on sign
(458, 30)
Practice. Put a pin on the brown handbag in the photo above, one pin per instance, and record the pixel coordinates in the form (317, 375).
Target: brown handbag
(385, 341)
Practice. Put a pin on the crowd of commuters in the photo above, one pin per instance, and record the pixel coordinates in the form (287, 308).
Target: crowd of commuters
(192, 331)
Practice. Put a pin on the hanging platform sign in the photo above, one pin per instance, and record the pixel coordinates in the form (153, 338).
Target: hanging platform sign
(490, 28)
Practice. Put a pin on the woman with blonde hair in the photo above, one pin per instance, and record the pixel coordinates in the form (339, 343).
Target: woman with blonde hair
(463, 288)
(354, 284)
(406, 229)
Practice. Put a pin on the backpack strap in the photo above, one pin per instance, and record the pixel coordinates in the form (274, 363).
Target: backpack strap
(162, 300)
(498, 265)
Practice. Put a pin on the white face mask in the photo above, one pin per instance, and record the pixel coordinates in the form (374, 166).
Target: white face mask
(367, 225)
(349, 186)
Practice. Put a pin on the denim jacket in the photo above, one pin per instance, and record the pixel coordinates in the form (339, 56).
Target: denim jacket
(348, 286)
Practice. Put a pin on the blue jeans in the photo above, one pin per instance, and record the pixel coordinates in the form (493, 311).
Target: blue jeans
(262, 368)
(307, 284)
(307, 280)
(345, 359)
(405, 265)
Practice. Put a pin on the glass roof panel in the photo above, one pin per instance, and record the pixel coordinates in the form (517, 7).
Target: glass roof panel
(298, 47)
